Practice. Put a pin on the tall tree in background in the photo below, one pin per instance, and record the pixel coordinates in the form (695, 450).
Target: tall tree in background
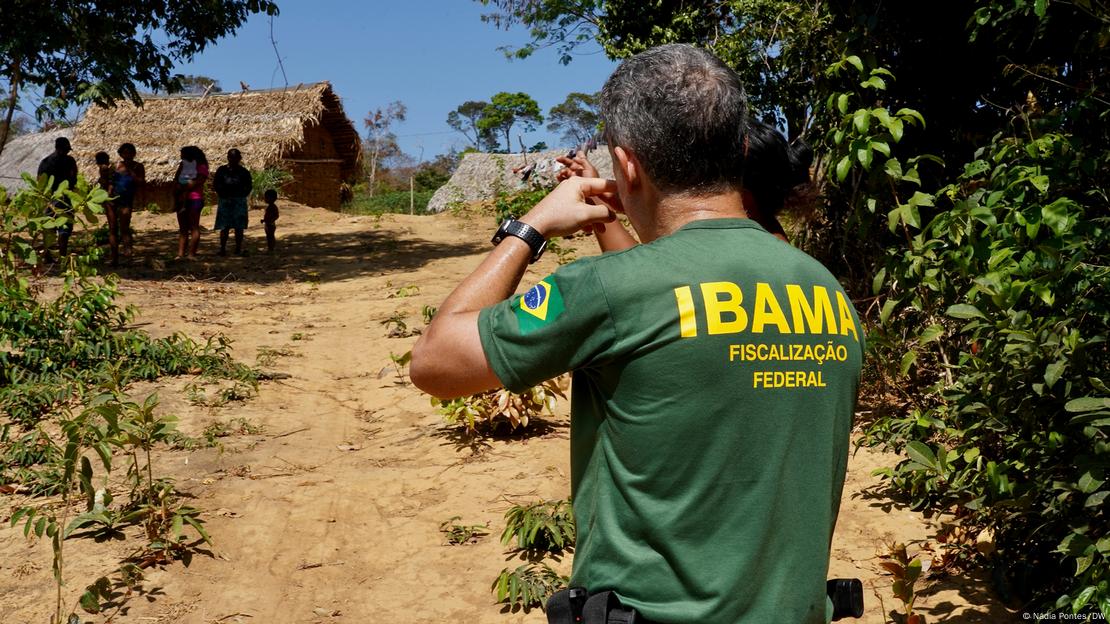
(577, 118)
(84, 51)
(379, 138)
(464, 120)
(506, 110)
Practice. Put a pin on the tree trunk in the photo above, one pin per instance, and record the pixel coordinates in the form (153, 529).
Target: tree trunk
(12, 99)
(373, 167)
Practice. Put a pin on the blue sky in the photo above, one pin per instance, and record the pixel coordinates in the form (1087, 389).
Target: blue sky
(430, 54)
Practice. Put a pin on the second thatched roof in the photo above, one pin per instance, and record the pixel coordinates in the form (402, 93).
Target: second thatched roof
(266, 126)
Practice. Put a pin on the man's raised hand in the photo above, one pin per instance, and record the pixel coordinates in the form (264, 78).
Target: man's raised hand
(566, 210)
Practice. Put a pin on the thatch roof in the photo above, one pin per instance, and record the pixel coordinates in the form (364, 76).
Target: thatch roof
(480, 175)
(24, 153)
(265, 125)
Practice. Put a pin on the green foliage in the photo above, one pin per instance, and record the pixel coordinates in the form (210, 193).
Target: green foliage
(459, 534)
(516, 205)
(506, 110)
(397, 202)
(576, 118)
(224, 428)
(993, 308)
(428, 313)
(545, 527)
(263, 180)
(109, 423)
(53, 350)
(905, 572)
(66, 70)
(496, 407)
(528, 586)
(464, 120)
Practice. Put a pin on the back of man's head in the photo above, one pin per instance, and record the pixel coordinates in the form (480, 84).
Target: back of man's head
(681, 111)
(61, 145)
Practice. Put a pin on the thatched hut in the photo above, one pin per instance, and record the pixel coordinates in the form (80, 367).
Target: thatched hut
(23, 155)
(302, 130)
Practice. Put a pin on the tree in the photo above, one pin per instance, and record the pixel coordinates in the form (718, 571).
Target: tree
(83, 51)
(576, 118)
(197, 85)
(20, 126)
(506, 110)
(380, 141)
(464, 119)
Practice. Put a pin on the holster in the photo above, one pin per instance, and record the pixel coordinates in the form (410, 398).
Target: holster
(577, 606)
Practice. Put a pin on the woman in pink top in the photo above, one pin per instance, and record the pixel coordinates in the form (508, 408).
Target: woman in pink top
(190, 177)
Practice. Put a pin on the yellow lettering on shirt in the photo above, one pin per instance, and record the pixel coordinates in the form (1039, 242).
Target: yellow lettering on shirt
(687, 323)
(814, 317)
(767, 310)
(717, 309)
(847, 324)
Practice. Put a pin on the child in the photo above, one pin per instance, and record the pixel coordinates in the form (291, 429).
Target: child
(104, 171)
(269, 219)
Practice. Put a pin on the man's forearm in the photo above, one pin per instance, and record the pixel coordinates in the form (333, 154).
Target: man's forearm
(494, 280)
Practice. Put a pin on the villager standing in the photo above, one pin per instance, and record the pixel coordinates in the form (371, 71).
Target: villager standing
(128, 176)
(190, 177)
(714, 368)
(269, 220)
(63, 168)
(232, 184)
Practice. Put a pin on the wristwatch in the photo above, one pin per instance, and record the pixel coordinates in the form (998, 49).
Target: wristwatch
(523, 231)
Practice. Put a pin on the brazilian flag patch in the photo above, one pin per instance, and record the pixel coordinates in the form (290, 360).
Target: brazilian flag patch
(539, 306)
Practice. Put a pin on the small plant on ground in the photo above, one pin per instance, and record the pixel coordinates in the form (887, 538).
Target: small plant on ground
(458, 534)
(496, 407)
(528, 586)
(224, 428)
(405, 291)
(545, 527)
(428, 313)
(399, 364)
(396, 327)
(905, 571)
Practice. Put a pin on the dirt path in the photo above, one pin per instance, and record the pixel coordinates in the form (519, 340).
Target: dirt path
(331, 512)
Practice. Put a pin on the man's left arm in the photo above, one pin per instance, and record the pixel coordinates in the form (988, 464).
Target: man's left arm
(449, 360)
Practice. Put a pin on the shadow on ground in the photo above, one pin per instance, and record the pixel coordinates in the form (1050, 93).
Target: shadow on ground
(302, 257)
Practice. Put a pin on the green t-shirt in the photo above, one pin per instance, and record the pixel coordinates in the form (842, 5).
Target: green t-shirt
(715, 377)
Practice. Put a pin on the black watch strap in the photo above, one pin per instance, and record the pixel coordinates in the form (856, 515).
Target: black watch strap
(525, 232)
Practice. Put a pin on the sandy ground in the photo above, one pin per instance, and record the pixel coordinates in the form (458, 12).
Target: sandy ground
(332, 512)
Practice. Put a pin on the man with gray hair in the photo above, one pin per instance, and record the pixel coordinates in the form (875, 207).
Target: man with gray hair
(714, 367)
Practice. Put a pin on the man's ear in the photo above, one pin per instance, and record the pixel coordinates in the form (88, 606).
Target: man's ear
(629, 166)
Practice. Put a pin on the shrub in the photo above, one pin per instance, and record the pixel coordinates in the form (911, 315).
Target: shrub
(497, 407)
(540, 528)
(996, 309)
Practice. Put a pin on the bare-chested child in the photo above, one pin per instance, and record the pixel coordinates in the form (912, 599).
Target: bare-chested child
(269, 219)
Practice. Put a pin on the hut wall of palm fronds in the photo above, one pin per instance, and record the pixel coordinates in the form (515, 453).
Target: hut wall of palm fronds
(302, 130)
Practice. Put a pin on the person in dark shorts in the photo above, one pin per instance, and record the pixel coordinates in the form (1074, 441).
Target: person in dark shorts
(232, 184)
(128, 176)
(714, 367)
(190, 177)
(62, 168)
(269, 219)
